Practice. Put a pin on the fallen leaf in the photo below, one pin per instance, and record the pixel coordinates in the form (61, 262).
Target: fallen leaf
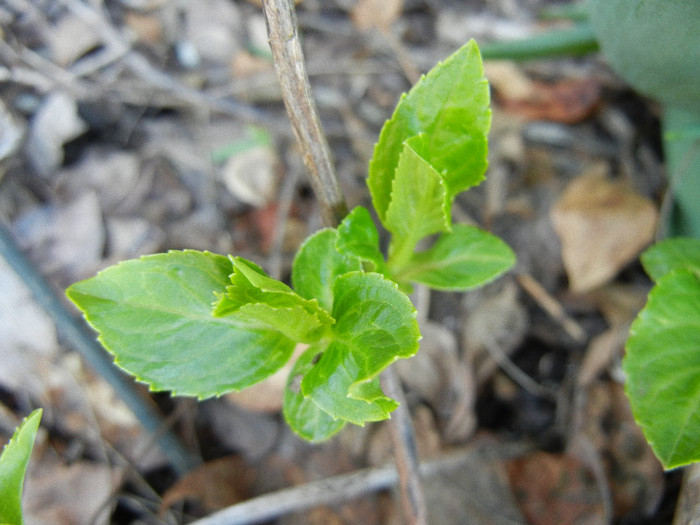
(251, 175)
(215, 485)
(555, 488)
(568, 101)
(71, 38)
(377, 14)
(78, 494)
(603, 226)
(55, 123)
(65, 240)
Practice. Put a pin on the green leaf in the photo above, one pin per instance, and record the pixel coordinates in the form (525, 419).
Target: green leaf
(662, 365)
(13, 466)
(358, 236)
(419, 205)
(155, 315)
(317, 264)
(462, 259)
(264, 302)
(302, 414)
(375, 325)
(450, 108)
(672, 254)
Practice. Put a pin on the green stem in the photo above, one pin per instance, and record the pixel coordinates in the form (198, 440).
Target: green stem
(577, 40)
(682, 149)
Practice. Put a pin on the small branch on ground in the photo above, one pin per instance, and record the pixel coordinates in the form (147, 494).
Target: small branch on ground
(296, 92)
(405, 454)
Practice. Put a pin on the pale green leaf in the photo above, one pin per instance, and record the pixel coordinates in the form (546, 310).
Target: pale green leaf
(358, 236)
(261, 301)
(450, 108)
(302, 414)
(462, 259)
(662, 366)
(375, 325)
(155, 315)
(13, 466)
(668, 255)
(419, 205)
(317, 264)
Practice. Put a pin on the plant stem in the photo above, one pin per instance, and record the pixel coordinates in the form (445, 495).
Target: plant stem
(296, 91)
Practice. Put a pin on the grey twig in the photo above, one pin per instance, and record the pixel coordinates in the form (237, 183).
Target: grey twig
(405, 454)
(344, 487)
(296, 93)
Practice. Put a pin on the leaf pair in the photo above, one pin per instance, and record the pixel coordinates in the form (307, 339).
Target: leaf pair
(662, 361)
(433, 148)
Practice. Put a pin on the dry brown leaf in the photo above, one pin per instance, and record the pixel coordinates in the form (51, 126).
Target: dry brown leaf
(77, 494)
(216, 484)
(553, 488)
(147, 27)
(377, 14)
(568, 101)
(603, 225)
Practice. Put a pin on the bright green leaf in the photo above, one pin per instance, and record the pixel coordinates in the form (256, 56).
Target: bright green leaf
(302, 414)
(13, 466)
(316, 266)
(462, 259)
(419, 205)
(155, 315)
(662, 365)
(450, 108)
(672, 254)
(262, 301)
(375, 325)
(358, 236)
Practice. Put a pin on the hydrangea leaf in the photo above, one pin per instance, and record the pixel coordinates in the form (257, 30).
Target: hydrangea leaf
(154, 314)
(358, 236)
(13, 466)
(662, 365)
(317, 264)
(419, 205)
(462, 259)
(678, 253)
(302, 414)
(450, 108)
(262, 301)
(375, 325)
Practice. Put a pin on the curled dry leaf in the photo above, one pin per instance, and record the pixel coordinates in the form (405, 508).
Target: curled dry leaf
(603, 226)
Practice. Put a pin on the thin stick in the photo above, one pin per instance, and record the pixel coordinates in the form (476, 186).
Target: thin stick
(291, 70)
(550, 305)
(344, 487)
(405, 454)
(296, 92)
